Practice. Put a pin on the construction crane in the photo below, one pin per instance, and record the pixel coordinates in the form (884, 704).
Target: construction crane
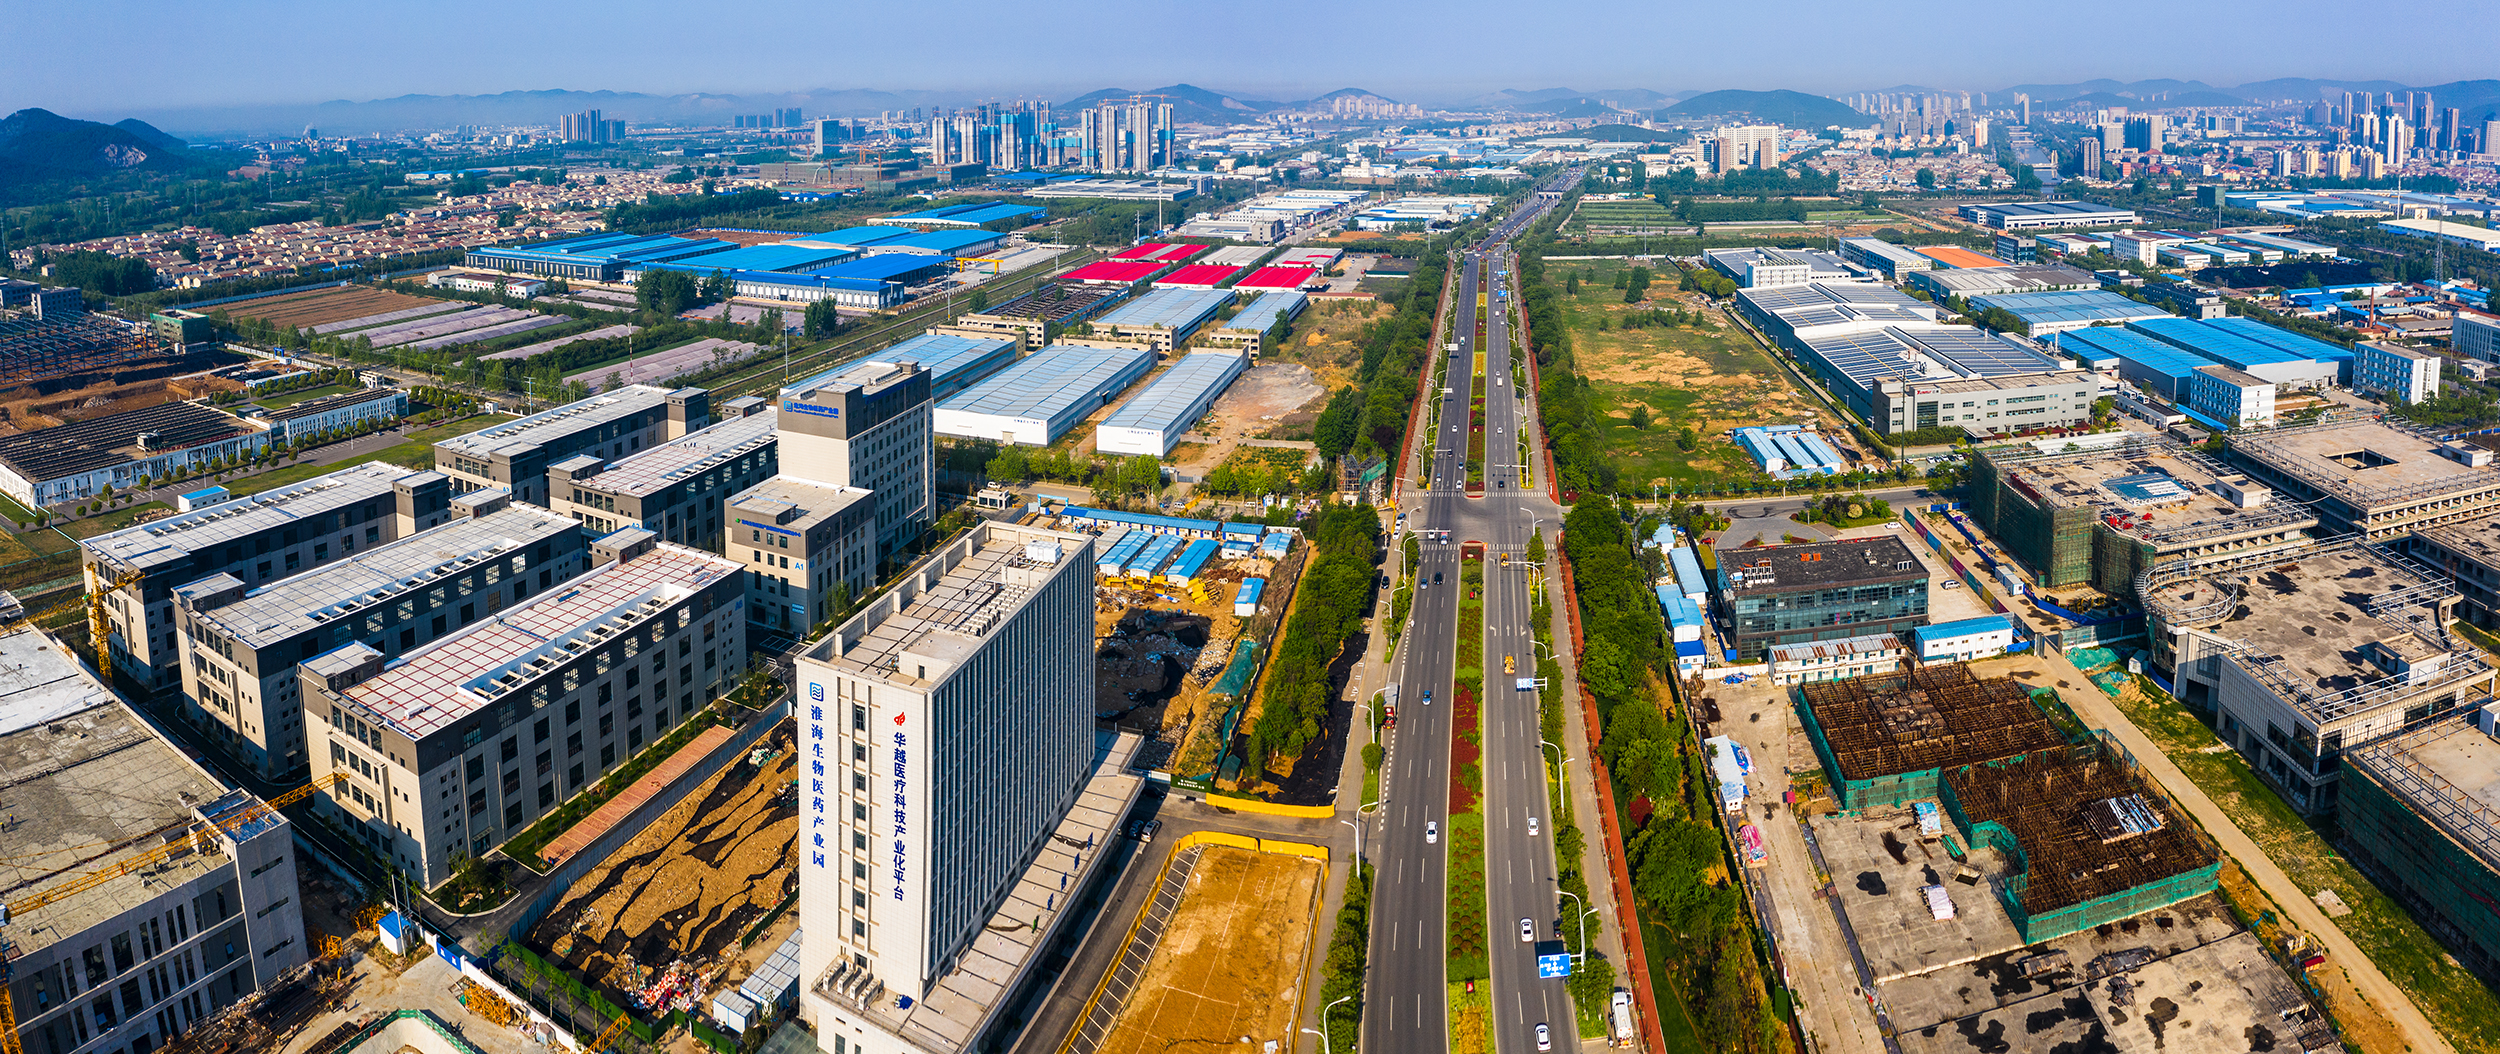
(615, 1028)
(8, 1024)
(235, 821)
(99, 626)
(190, 840)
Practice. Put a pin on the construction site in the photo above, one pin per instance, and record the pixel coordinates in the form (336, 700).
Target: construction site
(58, 370)
(2102, 510)
(1223, 947)
(2081, 838)
(2047, 899)
(1887, 740)
(694, 902)
(2371, 475)
(2292, 660)
(2420, 814)
(1044, 313)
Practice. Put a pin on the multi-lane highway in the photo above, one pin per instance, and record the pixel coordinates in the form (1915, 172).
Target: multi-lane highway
(1405, 1008)
(1405, 1005)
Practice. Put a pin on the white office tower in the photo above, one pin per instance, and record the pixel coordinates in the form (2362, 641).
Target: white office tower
(865, 425)
(955, 778)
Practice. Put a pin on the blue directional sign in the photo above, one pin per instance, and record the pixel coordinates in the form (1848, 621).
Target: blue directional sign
(1553, 965)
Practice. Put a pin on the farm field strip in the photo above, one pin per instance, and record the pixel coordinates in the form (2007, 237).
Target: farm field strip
(602, 333)
(504, 329)
(387, 316)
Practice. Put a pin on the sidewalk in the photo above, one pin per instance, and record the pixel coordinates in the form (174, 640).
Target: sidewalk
(1607, 945)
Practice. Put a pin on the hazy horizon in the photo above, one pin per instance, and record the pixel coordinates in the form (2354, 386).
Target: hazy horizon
(290, 53)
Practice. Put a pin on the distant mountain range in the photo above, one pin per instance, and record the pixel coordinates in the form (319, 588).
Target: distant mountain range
(1782, 107)
(39, 145)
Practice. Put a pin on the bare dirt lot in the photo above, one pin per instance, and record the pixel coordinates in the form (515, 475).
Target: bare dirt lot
(1270, 396)
(1229, 964)
(688, 886)
(324, 306)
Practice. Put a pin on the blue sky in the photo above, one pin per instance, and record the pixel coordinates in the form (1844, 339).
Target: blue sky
(102, 57)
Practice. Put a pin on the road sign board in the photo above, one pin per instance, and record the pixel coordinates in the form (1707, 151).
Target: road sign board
(1548, 966)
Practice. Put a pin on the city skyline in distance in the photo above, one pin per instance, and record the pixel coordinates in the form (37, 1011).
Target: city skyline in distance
(285, 56)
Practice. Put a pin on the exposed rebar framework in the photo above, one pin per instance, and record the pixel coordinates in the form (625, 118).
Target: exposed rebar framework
(2037, 809)
(2327, 478)
(32, 349)
(2457, 812)
(2410, 609)
(1933, 717)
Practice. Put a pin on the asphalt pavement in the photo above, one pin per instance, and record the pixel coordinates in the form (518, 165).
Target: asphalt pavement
(1406, 1005)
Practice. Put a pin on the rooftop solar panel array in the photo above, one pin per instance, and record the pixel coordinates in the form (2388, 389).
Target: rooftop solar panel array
(85, 446)
(1864, 358)
(1977, 352)
(2065, 306)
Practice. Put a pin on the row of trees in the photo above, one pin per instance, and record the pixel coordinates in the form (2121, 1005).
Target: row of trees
(1573, 426)
(1649, 753)
(1332, 599)
(1112, 479)
(1241, 475)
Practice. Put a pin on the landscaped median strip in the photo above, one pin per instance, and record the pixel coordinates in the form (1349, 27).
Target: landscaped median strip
(1466, 949)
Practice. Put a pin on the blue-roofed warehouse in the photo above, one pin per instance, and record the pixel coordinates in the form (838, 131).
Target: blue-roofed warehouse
(1036, 401)
(595, 258)
(1120, 553)
(973, 215)
(942, 243)
(904, 268)
(1687, 566)
(2221, 345)
(1159, 551)
(2052, 312)
(2286, 340)
(786, 257)
(2141, 359)
(1152, 422)
(1246, 602)
(1193, 559)
(857, 237)
(1965, 639)
(954, 363)
(848, 291)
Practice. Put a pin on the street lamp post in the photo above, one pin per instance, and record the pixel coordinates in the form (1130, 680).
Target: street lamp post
(1325, 1045)
(1358, 837)
(1583, 919)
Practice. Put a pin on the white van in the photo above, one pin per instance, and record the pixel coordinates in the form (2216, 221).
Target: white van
(1621, 1013)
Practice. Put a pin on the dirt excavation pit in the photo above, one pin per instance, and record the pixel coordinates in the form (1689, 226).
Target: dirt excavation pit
(689, 885)
(1145, 661)
(1229, 964)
